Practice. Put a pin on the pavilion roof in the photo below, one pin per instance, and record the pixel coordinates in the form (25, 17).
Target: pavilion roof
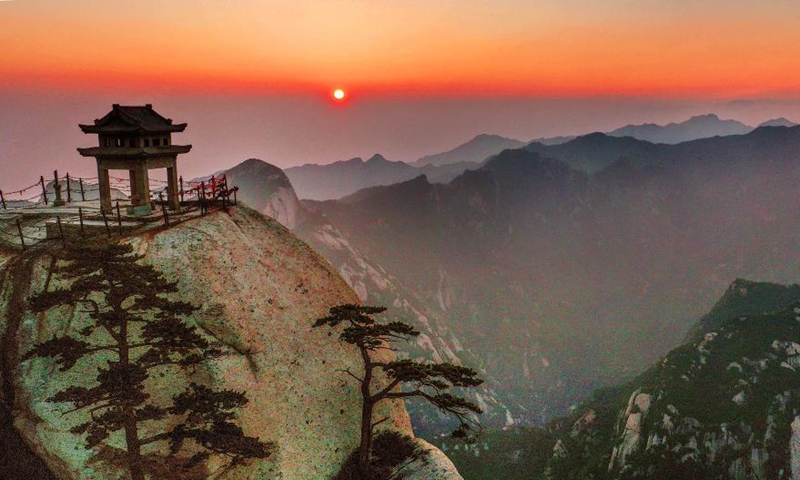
(134, 152)
(133, 119)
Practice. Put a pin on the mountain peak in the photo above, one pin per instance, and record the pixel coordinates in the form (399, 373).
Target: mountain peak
(520, 163)
(266, 188)
(377, 158)
(594, 136)
(476, 150)
(746, 297)
(482, 137)
(706, 116)
(255, 165)
(778, 122)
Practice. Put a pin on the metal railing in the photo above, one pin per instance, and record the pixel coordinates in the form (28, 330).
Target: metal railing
(26, 220)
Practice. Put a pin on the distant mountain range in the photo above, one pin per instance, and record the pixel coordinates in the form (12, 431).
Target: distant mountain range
(697, 127)
(552, 280)
(701, 126)
(558, 280)
(338, 179)
(335, 180)
(597, 151)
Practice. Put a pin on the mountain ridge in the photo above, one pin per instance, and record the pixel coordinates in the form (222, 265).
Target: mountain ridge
(345, 177)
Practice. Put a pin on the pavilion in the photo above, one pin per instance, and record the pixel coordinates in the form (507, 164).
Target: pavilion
(136, 139)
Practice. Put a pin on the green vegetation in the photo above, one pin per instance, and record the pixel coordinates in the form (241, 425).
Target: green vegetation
(712, 403)
(134, 331)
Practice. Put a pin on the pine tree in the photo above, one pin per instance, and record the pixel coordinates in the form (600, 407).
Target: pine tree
(138, 330)
(428, 381)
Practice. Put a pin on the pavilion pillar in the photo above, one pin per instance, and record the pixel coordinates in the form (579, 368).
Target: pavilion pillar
(105, 188)
(135, 196)
(142, 183)
(172, 186)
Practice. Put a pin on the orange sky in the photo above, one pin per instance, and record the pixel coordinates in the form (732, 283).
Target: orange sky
(700, 48)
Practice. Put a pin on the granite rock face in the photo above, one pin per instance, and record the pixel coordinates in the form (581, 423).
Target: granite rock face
(430, 464)
(267, 189)
(259, 289)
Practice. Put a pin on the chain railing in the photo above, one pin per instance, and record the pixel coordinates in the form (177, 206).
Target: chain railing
(22, 211)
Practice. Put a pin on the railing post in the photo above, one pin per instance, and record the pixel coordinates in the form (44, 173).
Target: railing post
(83, 194)
(21, 236)
(80, 217)
(223, 185)
(69, 190)
(58, 201)
(180, 180)
(2, 200)
(202, 198)
(44, 190)
(105, 221)
(119, 219)
(163, 209)
(61, 230)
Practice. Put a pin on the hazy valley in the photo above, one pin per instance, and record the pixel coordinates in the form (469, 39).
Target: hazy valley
(604, 252)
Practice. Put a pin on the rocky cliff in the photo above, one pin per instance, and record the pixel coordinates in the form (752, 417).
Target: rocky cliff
(725, 405)
(267, 189)
(259, 289)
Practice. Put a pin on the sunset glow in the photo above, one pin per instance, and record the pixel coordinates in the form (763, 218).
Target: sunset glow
(708, 48)
(260, 79)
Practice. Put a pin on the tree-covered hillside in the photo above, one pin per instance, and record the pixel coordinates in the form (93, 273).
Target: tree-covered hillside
(724, 405)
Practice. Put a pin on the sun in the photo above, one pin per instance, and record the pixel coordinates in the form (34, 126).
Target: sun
(339, 94)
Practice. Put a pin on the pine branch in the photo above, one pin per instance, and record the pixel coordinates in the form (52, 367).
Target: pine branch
(375, 424)
(155, 438)
(347, 371)
(382, 394)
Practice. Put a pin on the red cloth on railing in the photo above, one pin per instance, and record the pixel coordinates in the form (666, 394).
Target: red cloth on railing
(209, 187)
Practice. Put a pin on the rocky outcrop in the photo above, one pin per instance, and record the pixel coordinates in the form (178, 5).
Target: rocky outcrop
(267, 189)
(429, 464)
(631, 431)
(259, 289)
